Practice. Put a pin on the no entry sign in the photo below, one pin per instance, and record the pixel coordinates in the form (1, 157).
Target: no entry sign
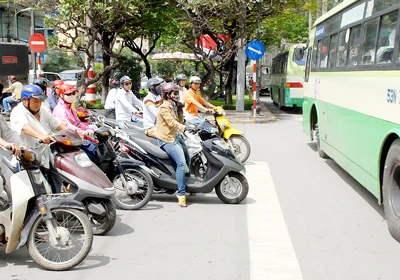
(37, 42)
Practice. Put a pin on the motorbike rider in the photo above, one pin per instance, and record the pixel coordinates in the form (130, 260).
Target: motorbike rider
(15, 90)
(124, 111)
(169, 125)
(43, 83)
(180, 80)
(67, 115)
(52, 99)
(194, 102)
(10, 138)
(152, 102)
(109, 106)
(33, 124)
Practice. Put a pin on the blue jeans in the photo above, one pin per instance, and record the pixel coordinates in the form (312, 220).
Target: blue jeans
(180, 154)
(6, 102)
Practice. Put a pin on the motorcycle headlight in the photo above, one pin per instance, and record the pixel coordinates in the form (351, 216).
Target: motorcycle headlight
(83, 160)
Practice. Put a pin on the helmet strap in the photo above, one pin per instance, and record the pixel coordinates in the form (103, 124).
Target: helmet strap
(29, 108)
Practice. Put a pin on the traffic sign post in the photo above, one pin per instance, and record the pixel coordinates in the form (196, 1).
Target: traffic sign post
(37, 44)
(255, 50)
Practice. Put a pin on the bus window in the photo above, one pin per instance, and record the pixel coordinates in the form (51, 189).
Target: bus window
(387, 33)
(316, 54)
(342, 49)
(354, 45)
(333, 51)
(324, 53)
(369, 38)
(298, 56)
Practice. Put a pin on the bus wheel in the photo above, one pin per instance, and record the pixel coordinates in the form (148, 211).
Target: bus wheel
(391, 189)
(321, 153)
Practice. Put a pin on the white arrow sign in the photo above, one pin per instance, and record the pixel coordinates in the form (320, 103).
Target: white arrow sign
(37, 43)
(255, 50)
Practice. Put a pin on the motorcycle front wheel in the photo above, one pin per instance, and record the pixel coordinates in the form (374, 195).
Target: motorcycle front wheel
(241, 147)
(143, 194)
(233, 191)
(75, 239)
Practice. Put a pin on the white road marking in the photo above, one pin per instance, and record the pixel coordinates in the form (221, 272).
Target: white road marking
(271, 251)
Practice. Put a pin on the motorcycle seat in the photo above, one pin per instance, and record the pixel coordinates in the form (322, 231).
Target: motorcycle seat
(152, 149)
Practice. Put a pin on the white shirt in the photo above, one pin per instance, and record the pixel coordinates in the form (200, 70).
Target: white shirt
(21, 116)
(110, 100)
(181, 93)
(151, 104)
(123, 105)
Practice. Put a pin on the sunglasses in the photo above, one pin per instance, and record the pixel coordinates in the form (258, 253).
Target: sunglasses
(69, 94)
(127, 84)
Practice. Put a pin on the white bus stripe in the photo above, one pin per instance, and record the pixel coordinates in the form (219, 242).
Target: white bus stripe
(271, 251)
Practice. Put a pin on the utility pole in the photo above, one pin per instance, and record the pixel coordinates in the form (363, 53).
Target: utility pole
(33, 58)
(241, 62)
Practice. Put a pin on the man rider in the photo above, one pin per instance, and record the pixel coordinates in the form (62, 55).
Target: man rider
(124, 110)
(152, 102)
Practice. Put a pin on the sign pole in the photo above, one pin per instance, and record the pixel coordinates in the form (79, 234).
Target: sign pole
(254, 87)
(39, 71)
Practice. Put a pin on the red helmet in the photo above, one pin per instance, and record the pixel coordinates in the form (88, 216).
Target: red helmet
(65, 89)
(12, 78)
(57, 83)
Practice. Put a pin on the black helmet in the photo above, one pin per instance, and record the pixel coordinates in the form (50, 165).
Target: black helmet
(42, 83)
(125, 79)
(168, 88)
(152, 83)
(180, 77)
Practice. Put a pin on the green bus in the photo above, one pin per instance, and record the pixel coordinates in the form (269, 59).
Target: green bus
(351, 96)
(287, 75)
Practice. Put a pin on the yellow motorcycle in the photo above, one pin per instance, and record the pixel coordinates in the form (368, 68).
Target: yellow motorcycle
(234, 137)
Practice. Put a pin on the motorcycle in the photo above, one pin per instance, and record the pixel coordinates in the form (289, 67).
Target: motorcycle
(222, 172)
(58, 235)
(133, 184)
(84, 180)
(234, 137)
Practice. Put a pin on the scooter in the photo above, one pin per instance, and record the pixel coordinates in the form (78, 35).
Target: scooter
(84, 180)
(234, 137)
(58, 235)
(133, 184)
(223, 171)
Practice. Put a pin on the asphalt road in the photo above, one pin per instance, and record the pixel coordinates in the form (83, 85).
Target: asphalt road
(304, 218)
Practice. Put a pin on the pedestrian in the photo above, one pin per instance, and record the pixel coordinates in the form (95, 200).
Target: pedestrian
(110, 100)
(124, 101)
(152, 102)
(15, 90)
(169, 125)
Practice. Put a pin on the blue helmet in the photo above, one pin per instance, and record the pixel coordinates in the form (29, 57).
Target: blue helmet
(32, 91)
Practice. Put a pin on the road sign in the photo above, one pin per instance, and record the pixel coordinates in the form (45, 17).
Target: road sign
(37, 42)
(255, 50)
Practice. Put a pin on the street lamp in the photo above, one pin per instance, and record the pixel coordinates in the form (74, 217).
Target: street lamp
(16, 20)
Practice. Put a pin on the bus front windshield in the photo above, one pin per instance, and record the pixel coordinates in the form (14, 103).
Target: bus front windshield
(298, 56)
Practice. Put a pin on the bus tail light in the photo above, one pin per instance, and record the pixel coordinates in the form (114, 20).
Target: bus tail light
(294, 85)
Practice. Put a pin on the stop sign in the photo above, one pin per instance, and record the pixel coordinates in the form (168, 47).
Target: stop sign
(37, 42)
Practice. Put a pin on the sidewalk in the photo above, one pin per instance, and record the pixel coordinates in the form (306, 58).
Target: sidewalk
(265, 116)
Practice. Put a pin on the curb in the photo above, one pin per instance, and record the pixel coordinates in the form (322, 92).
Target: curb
(253, 121)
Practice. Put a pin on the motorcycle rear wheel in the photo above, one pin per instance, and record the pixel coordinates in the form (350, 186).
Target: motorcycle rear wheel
(241, 147)
(141, 197)
(235, 193)
(75, 233)
(102, 224)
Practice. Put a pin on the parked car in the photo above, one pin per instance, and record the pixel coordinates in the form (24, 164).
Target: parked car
(51, 76)
(72, 77)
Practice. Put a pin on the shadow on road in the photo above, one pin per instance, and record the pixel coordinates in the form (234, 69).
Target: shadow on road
(357, 187)
(313, 146)
(120, 228)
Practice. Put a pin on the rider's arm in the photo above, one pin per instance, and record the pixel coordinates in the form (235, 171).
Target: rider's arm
(208, 104)
(151, 107)
(8, 134)
(123, 102)
(67, 120)
(170, 120)
(29, 130)
(137, 102)
(189, 99)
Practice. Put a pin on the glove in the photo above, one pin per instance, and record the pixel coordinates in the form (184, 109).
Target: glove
(89, 133)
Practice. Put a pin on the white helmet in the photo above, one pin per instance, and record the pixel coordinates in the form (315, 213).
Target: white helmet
(195, 79)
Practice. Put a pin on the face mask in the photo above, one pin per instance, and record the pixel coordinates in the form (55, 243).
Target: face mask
(158, 90)
(69, 99)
